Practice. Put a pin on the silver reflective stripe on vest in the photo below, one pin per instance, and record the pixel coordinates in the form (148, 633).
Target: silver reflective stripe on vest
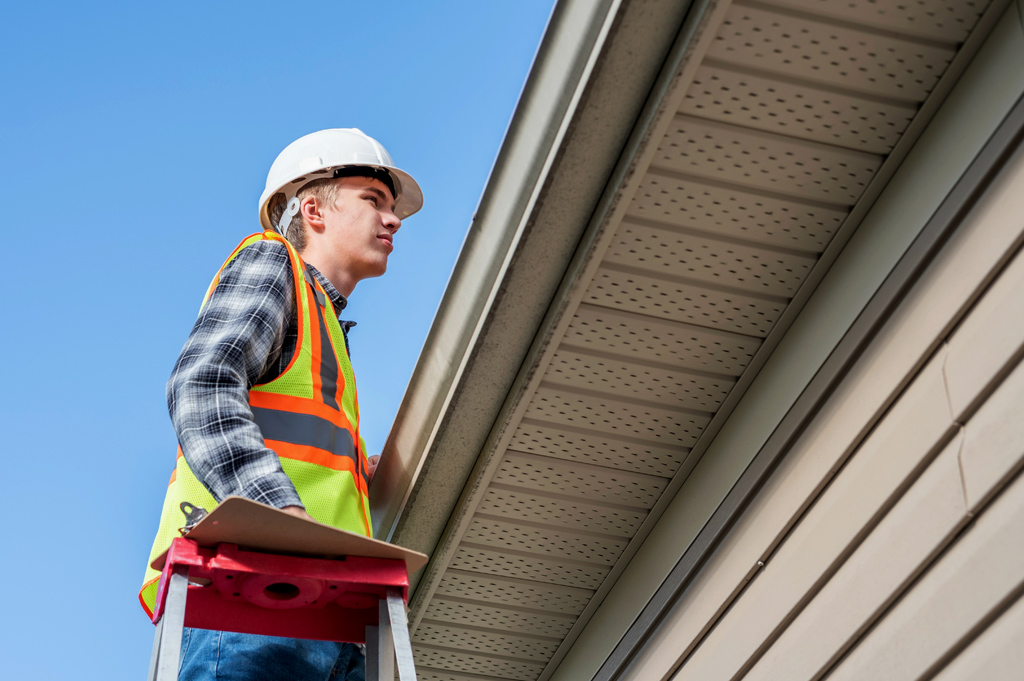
(305, 429)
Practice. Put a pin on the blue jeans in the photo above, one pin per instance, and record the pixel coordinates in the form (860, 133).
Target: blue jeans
(225, 656)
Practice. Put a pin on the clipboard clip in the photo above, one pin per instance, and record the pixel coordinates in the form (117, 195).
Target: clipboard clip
(193, 514)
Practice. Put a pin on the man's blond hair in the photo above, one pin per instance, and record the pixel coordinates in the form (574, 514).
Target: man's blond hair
(324, 190)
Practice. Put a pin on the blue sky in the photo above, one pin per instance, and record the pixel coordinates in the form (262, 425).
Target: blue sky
(135, 140)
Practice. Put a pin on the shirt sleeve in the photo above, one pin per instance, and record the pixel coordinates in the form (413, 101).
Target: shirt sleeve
(238, 335)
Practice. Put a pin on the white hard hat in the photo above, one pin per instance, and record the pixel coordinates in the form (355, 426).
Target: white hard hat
(319, 155)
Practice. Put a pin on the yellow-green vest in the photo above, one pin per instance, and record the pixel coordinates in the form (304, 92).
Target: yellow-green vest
(309, 415)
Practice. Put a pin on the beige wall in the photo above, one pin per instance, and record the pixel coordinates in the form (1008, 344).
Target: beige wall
(889, 543)
(916, 543)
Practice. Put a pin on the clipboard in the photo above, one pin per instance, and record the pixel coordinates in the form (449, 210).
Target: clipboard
(257, 527)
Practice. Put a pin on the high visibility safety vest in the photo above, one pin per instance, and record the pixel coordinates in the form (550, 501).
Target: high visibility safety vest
(309, 415)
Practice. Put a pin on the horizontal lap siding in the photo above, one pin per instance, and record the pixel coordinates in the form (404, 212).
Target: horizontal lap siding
(917, 425)
(995, 655)
(956, 594)
(882, 547)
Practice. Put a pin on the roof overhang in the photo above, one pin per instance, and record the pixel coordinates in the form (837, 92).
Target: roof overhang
(590, 146)
(591, 78)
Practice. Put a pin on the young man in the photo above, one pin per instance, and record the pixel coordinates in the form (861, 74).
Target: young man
(263, 399)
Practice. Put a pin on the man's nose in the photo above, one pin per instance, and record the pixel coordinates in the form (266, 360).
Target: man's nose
(392, 221)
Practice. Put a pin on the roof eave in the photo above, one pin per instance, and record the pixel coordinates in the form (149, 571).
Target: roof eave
(592, 74)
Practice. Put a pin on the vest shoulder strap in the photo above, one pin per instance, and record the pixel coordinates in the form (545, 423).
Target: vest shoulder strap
(298, 266)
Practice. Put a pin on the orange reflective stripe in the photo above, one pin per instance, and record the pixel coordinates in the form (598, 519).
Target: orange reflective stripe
(297, 281)
(174, 473)
(300, 405)
(249, 240)
(310, 454)
(145, 585)
(315, 342)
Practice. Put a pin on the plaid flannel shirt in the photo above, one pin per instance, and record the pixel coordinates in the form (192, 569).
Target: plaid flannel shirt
(246, 334)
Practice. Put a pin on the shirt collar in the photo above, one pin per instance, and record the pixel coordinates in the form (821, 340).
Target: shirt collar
(337, 299)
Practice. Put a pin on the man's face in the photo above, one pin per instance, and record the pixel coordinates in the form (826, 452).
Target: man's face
(360, 227)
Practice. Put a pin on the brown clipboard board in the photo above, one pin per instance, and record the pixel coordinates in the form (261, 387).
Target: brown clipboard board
(258, 527)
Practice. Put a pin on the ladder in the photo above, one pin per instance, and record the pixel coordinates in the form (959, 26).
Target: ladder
(353, 599)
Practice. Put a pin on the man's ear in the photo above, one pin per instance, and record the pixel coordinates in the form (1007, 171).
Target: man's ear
(312, 213)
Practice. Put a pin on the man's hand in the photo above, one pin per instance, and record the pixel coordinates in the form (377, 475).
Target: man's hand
(298, 512)
(372, 465)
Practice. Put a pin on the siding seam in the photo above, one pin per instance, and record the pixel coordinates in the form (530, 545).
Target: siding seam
(962, 429)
